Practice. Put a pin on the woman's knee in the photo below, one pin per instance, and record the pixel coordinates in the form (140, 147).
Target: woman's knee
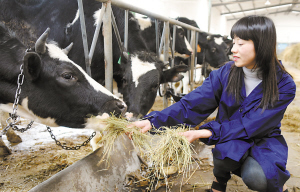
(253, 175)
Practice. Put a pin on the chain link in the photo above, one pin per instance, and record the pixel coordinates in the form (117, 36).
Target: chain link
(14, 118)
(70, 148)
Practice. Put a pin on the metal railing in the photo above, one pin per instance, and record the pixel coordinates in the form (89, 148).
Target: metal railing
(106, 17)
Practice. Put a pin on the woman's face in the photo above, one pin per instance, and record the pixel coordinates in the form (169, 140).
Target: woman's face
(243, 53)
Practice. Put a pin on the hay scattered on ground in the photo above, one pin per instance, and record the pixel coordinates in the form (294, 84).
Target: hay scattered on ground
(290, 122)
(171, 154)
(291, 55)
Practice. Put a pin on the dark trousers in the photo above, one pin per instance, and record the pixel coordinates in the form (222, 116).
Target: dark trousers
(247, 168)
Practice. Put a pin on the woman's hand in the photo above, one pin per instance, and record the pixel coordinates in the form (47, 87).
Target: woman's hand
(145, 125)
(196, 134)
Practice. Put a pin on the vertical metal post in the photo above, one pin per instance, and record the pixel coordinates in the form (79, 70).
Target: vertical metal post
(162, 41)
(193, 37)
(107, 33)
(157, 37)
(173, 44)
(209, 16)
(126, 30)
(84, 38)
(166, 55)
(96, 34)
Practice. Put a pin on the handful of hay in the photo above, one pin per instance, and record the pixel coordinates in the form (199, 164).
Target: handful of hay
(118, 126)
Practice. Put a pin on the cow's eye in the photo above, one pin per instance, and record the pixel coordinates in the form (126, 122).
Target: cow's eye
(213, 49)
(68, 76)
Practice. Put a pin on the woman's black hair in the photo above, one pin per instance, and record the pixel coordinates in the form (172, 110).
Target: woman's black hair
(261, 30)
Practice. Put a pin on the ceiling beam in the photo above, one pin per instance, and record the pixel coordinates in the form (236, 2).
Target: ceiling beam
(230, 2)
(266, 14)
(258, 8)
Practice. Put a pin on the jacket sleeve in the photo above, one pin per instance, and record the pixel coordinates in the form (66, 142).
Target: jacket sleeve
(255, 123)
(193, 108)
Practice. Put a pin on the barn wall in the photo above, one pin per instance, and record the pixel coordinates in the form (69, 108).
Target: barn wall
(218, 23)
(287, 27)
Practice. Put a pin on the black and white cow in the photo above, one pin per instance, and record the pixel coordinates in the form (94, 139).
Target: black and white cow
(182, 46)
(144, 72)
(63, 16)
(55, 91)
(209, 45)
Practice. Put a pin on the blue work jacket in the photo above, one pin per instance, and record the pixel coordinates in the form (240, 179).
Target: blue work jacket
(239, 126)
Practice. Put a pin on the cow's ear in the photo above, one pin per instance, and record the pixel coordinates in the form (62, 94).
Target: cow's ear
(172, 75)
(32, 66)
(124, 58)
(203, 45)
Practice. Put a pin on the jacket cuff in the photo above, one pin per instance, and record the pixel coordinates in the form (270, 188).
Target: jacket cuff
(214, 127)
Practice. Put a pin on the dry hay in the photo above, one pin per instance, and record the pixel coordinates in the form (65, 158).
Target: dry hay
(291, 55)
(290, 122)
(22, 170)
(115, 127)
(171, 154)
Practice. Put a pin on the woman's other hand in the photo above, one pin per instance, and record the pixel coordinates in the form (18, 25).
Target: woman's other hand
(192, 135)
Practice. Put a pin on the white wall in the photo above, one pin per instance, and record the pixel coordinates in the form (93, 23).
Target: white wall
(287, 27)
(217, 23)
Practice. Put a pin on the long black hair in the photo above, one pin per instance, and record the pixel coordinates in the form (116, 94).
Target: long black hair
(261, 30)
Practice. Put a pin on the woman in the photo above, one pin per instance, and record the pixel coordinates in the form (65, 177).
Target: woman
(251, 94)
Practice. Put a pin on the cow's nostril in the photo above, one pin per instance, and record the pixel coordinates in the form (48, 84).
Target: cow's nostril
(122, 106)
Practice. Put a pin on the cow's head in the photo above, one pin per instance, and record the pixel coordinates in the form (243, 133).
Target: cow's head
(144, 73)
(58, 92)
(215, 53)
(182, 46)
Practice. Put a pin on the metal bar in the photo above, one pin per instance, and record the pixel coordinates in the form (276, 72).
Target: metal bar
(209, 15)
(189, 59)
(166, 56)
(126, 30)
(84, 38)
(124, 5)
(96, 34)
(157, 37)
(173, 45)
(161, 42)
(196, 47)
(229, 2)
(258, 8)
(107, 33)
(116, 30)
(192, 43)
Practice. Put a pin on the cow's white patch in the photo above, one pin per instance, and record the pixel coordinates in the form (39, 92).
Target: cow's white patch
(188, 46)
(26, 113)
(56, 53)
(219, 40)
(97, 17)
(144, 22)
(139, 68)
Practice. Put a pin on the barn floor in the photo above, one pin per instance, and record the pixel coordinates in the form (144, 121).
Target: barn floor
(37, 158)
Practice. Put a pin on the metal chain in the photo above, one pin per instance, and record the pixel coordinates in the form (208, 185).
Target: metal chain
(70, 148)
(14, 118)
